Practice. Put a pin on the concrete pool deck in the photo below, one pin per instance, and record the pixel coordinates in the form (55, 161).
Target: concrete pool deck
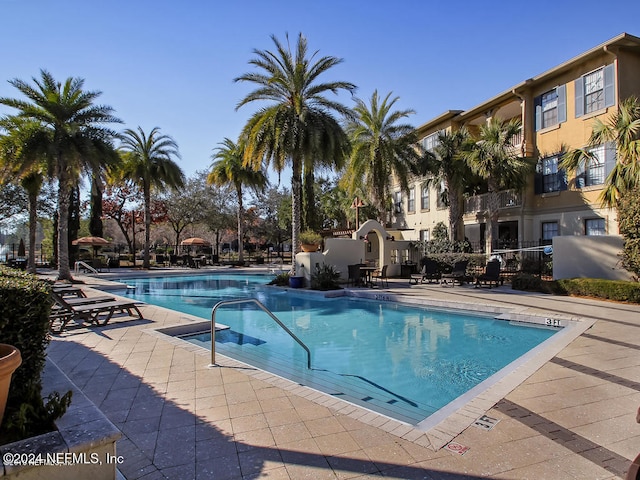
(570, 415)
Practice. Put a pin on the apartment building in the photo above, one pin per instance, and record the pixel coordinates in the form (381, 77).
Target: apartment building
(557, 109)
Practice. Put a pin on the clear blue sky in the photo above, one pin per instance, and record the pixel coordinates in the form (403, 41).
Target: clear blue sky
(171, 64)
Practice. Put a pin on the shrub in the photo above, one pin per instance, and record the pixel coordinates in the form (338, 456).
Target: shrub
(325, 277)
(281, 280)
(310, 237)
(617, 290)
(25, 304)
(629, 225)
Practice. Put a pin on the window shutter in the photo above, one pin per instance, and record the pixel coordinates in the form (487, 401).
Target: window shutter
(609, 86)
(562, 103)
(537, 102)
(562, 179)
(537, 183)
(581, 180)
(579, 86)
(609, 157)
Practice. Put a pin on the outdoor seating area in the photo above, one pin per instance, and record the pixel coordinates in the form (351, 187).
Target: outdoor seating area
(491, 275)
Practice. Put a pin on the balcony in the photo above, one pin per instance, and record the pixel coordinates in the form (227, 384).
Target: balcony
(478, 203)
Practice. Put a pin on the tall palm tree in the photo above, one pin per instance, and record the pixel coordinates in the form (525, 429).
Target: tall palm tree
(149, 163)
(382, 148)
(447, 168)
(494, 159)
(297, 124)
(228, 167)
(14, 154)
(72, 139)
(622, 128)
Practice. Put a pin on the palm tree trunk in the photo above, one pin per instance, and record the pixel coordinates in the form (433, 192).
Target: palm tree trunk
(455, 214)
(147, 226)
(64, 270)
(33, 218)
(296, 196)
(493, 207)
(240, 229)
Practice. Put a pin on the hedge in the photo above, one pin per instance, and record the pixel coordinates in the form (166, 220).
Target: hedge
(619, 291)
(25, 304)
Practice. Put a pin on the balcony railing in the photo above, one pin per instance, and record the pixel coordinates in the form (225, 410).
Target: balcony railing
(478, 203)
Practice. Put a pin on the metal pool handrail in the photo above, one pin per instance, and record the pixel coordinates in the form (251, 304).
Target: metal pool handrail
(263, 308)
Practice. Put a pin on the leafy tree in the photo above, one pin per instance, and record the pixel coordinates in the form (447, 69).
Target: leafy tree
(120, 203)
(297, 126)
(16, 163)
(274, 207)
(71, 138)
(148, 161)
(186, 206)
(623, 129)
(494, 158)
(228, 168)
(447, 168)
(383, 149)
(629, 225)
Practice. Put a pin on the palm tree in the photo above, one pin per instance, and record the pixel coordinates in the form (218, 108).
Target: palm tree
(382, 148)
(447, 168)
(297, 125)
(622, 128)
(494, 159)
(149, 163)
(71, 139)
(14, 154)
(228, 167)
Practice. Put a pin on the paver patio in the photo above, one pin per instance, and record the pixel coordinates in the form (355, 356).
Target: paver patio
(572, 418)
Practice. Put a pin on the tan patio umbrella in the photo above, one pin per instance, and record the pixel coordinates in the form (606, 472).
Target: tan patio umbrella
(95, 242)
(195, 242)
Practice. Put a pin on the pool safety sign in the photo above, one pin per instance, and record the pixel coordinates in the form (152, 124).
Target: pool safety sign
(485, 422)
(456, 447)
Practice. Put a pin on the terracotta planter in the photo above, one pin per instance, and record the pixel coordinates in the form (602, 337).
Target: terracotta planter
(309, 247)
(10, 359)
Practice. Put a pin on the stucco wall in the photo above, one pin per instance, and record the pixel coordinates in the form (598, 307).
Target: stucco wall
(588, 257)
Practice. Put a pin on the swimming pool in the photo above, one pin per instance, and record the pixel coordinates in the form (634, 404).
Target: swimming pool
(402, 361)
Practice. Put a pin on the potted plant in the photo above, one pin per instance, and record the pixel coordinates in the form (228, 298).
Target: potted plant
(309, 241)
(10, 360)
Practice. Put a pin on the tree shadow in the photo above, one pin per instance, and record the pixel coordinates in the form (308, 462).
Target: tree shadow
(164, 439)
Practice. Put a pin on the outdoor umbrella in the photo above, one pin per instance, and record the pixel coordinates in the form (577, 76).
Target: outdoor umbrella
(195, 242)
(95, 242)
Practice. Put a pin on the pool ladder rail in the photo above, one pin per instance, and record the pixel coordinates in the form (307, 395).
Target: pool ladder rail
(264, 309)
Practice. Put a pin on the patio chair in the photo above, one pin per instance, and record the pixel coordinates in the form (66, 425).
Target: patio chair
(458, 274)
(63, 312)
(414, 278)
(491, 274)
(354, 278)
(381, 276)
(431, 271)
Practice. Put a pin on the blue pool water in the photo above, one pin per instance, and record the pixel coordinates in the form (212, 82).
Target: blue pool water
(402, 361)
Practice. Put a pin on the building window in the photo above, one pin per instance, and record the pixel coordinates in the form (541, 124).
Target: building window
(549, 178)
(592, 170)
(424, 198)
(398, 202)
(549, 230)
(594, 226)
(551, 107)
(430, 142)
(424, 235)
(411, 206)
(595, 91)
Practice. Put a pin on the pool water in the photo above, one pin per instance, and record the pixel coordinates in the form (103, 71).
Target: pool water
(403, 361)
